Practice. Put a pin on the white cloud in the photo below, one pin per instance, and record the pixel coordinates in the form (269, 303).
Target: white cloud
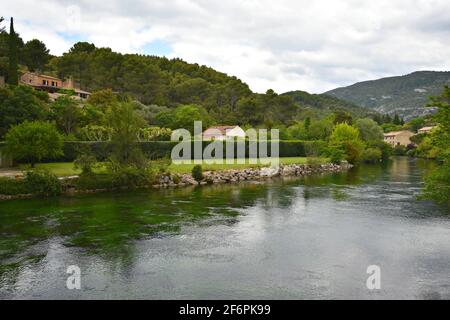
(284, 45)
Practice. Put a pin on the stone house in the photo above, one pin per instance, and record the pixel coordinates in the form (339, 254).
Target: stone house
(399, 138)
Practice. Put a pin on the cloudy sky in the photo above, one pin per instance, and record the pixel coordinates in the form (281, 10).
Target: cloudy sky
(284, 45)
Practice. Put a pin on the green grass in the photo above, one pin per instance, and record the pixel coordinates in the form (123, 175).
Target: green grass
(64, 169)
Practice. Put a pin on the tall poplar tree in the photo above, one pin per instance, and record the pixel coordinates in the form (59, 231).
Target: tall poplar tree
(13, 78)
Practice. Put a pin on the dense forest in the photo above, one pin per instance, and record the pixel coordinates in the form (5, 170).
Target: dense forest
(168, 83)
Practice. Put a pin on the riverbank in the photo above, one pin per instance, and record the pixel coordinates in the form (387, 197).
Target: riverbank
(171, 180)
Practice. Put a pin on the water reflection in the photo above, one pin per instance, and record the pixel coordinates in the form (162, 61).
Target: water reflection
(127, 236)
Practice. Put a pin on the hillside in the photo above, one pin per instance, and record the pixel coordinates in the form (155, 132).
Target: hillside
(406, 95)
(325, 104)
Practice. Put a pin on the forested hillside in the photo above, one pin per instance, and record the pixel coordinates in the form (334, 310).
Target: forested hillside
(406, 95)
(161, 85)
(322, 104)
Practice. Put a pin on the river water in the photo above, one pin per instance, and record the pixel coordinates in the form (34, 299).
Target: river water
(302, 238)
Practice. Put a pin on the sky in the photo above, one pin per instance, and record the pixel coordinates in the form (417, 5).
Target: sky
(282, 45)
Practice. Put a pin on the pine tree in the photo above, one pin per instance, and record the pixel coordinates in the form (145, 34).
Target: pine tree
(13, 78)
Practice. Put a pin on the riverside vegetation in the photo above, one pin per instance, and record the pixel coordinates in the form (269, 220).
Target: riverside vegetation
(128, 132)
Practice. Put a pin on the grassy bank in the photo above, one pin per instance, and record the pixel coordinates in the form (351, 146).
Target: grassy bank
(64, 169)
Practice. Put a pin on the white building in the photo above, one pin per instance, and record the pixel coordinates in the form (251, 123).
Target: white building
(223, 133)
(426, 130)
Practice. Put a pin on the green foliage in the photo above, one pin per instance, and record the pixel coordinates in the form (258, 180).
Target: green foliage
(130, 176)
(341, 116)
(336, 154)
(400, 150)
(13, 56)
(67, 113)
(416, 124)
(95, 182)
(438, 182)
(313, 162)
(346, 138)
(35, 55)
(95, 133)
(385, 148)
(372, 155)
(418, 138)
(125, 125)
(18, 104)
(154, 134)
(326, 104)
(34, 141)
(43, 183)
(390, 127)
(85, 162)
(369, 130)
(197, 173)
(396, 94)
(437, 185)
(11, 187)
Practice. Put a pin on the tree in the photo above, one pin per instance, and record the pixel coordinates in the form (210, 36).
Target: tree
(341, 116)
(18, 104)
(369, 130)
(438, 182)
(346, 138)
(307, 123)
(13, 77)
(34, 141)
(67, 113)
(397, 120)
(35, 55)
(416, 124)
(1, 28)
(185, 116)
(125, 125)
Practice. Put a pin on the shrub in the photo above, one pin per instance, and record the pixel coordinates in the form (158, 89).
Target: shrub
(129, 175)
(34, 141)
(400, 150)
(197, 173)
(11, 187)
(42, 182)
(372, 155)
(313, 162)
(86, 163)
(176, 179)
(94, 181)
(336, 155)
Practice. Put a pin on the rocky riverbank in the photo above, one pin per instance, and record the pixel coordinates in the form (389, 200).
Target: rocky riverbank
(212, 177)
(251, 174)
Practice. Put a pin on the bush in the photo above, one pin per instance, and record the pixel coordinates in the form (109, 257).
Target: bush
(94, 181)
(43, 183)
(313, 162)
(11, 187)
(197, 173)
(34, 141)
(86, 163)
(129, 175)
(399, 150)
(372, 155)
(336, 155)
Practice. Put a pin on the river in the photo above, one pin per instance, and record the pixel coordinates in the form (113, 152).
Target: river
(302, 238)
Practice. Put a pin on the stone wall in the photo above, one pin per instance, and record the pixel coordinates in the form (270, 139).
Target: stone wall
(251, 174)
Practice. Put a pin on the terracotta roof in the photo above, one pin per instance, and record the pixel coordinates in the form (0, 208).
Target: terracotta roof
(44, 76)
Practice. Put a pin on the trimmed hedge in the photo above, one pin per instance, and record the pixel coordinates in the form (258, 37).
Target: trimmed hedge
(162, 149)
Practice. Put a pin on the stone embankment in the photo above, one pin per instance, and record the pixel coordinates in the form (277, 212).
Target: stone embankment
(251, 174)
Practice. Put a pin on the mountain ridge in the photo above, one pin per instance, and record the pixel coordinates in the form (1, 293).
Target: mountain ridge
(405, 95)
